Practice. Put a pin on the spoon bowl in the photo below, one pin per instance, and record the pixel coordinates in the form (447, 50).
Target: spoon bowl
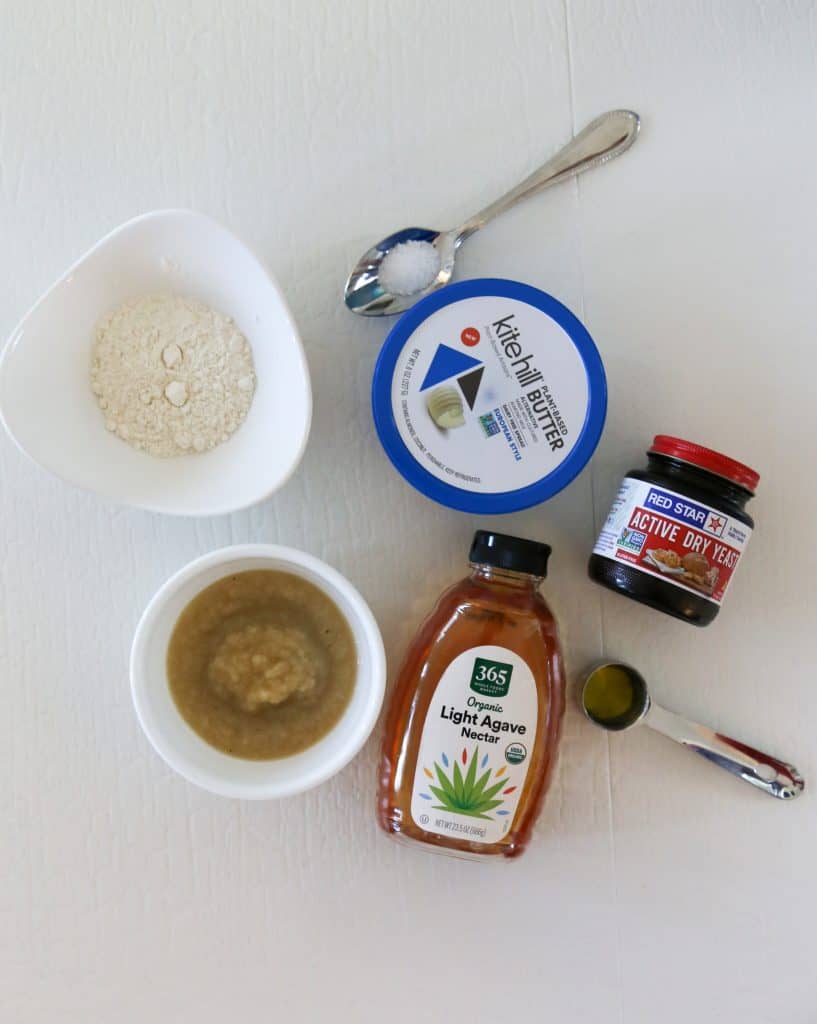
(615, 696)
(365, 294)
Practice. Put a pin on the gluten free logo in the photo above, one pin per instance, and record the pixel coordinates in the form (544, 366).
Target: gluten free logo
(491, 678)
(631, 540)
(489, 424)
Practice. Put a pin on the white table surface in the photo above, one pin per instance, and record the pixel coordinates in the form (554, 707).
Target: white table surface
(656, 888)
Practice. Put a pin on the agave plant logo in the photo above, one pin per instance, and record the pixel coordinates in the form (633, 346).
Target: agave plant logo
(468, 794)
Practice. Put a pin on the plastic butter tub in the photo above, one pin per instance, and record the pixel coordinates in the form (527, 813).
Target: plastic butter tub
(489, 396)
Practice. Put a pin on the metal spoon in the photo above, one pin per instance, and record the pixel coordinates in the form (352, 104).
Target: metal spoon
(767, 773)
(604, 138)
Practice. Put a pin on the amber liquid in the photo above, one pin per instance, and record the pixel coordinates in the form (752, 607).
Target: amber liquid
(488, 607)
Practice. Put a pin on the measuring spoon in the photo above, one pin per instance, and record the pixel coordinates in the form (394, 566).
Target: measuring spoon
(615, 697)
(608, 136)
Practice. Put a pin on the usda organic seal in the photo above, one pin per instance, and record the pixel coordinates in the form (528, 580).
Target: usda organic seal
(515, 753)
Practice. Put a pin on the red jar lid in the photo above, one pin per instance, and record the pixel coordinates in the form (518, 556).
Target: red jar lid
(705, 458)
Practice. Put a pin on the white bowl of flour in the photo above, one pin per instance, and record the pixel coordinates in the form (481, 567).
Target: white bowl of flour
(49, 408)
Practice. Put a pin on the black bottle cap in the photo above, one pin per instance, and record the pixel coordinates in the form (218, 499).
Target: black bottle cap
(513, 553)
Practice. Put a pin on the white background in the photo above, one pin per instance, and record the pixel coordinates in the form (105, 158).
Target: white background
(656, 888)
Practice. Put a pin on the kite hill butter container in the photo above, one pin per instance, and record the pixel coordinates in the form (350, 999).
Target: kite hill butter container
(489, 396)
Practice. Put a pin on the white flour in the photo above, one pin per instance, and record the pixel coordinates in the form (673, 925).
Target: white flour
(172, 376)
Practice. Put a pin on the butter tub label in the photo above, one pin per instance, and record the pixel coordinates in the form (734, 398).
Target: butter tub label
(687, 543)
(476, 745)
(490, 395)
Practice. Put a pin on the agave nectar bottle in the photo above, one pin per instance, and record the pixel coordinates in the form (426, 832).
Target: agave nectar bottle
(474, 719)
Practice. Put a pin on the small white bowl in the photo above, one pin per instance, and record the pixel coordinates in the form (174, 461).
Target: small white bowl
(46, 402)
(191, 756)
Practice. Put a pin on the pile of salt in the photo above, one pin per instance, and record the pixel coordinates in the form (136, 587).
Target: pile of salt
(409, 267)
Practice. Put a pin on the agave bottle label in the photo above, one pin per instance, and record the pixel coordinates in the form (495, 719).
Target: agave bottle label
(474, 751)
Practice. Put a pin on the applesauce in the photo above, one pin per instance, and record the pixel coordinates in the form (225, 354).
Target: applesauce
(261, 664)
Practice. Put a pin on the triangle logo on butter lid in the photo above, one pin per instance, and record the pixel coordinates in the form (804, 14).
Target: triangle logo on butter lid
(447, 362)
(469, 385)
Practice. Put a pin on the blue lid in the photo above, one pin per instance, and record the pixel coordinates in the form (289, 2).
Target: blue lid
(489, 396)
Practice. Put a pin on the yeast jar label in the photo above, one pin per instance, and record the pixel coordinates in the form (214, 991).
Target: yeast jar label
(687, 543)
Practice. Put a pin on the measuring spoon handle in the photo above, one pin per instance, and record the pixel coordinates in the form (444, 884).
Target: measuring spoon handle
(608, 136)
(753, 766)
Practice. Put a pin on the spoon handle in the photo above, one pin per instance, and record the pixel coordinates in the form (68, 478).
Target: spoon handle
(610, 134)
(753, 766)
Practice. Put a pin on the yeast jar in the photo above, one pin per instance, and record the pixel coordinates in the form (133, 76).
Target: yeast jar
(677, 530)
